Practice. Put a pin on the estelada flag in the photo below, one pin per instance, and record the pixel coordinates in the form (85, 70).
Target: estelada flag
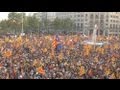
(54, 44)
(112, 76)
(45, 50)
(32, 50)
(116, 46)
(35, 62)
(82, 70)
(7, 54)
(6, 39)
(87, 52)
(102, 50)
(19, 39)
(90, 73)
(96, 59)
(60, 56)
(113, 58)
(1, 66)
(41, 71)
(107, 71)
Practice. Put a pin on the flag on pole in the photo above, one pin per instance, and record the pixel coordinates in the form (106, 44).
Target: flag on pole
(82, 70)
(7, 54)
(40, 70)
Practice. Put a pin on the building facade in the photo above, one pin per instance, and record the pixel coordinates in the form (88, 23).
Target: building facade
(46, 15)
(107, 22)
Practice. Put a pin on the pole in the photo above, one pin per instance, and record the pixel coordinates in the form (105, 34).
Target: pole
(22, 22)
(108, 35)
(46, 22)
(38, 27)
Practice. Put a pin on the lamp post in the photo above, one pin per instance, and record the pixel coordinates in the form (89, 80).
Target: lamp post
(46, 21)
(22, 31)
(22, 24)
(14, 27)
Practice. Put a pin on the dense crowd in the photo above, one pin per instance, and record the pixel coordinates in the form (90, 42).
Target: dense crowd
(38, 57)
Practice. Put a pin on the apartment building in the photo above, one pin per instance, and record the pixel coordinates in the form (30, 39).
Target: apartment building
(107, 22)
(46, 15)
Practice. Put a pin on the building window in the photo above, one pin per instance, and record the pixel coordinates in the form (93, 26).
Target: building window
(102, 17)
(101, 21)
(81, 25)
(78, 15)
(110, 25)
(91, 22)
(86, 15)
(91, 16)
(116, 27)
(107, 16)
(96, 22)
(106, 20)
(113, 25)
(76, 24)
(96, 16)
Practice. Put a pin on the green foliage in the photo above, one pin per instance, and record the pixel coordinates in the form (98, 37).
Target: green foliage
(32, 23)
(62, 24)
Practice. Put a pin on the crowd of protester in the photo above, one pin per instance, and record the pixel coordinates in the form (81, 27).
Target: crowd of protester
(58, 57)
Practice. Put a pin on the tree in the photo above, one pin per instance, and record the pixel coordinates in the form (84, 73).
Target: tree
(63, 24)
(15, 21)
(57, 24)
(67, 24)
(32, 23)
(4, 26)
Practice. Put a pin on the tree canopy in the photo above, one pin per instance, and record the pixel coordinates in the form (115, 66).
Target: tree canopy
(34, 24)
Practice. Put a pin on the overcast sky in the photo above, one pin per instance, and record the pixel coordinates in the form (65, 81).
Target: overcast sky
(4, 15)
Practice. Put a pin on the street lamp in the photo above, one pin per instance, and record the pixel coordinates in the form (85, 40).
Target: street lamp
(22, 22)
(46, 21)
(22, 32)
(14, 27)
